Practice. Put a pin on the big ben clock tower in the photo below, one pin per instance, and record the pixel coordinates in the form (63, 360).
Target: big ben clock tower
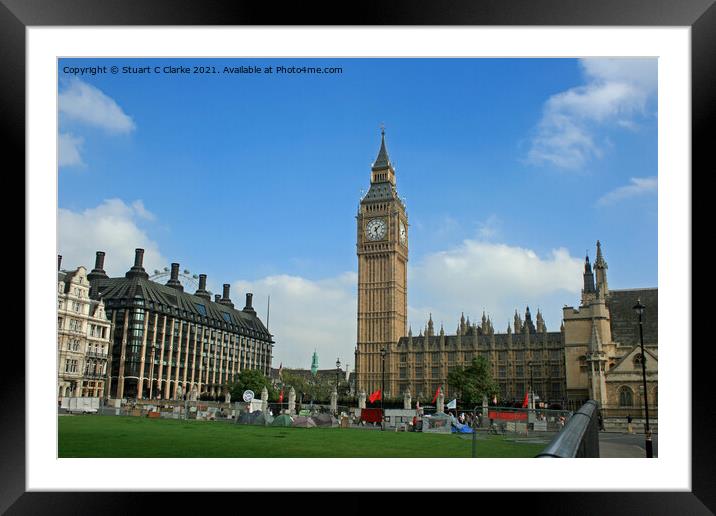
(382, 247)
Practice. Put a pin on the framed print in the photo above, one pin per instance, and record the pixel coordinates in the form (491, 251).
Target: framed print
(222, 146)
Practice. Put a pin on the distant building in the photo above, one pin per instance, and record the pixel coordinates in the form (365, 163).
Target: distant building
(83, 336)
(602, 345)
(528, 356)
(168, 343)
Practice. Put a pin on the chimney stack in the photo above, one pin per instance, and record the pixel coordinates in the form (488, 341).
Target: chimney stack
(138, 270)
(59, 261)
(202, 292)
(98, 271)
(226, 300)
(248, 307)
(217, 298)
(174, 278)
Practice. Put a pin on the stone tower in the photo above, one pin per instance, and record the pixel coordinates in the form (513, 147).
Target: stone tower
(382, 248)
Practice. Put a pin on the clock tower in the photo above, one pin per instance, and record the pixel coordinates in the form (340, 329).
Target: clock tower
(382, 247)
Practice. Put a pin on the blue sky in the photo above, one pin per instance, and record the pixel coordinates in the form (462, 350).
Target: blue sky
(511, 170)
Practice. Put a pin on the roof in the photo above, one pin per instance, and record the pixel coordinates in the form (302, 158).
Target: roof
(189, 305)
(384, 191)
(382, 161)
(625, 322)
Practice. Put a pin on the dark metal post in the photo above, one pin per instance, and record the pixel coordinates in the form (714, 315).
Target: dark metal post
(382, 390)
(647, 431)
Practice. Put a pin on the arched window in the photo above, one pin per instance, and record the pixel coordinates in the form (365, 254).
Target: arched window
(626, 397)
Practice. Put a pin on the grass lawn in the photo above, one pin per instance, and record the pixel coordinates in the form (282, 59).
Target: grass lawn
(115, 436)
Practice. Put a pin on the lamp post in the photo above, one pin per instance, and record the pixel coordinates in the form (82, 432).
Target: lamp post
(639, 309)
(338, 372)
(382, 390)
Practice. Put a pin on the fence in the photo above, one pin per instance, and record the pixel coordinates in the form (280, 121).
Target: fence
(580, 436)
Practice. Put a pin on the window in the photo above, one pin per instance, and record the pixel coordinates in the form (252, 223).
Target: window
(502, 371)
(637, 361)
(519, 370)
(435, 372)
(418, 358)
(403, 372)
(626, 397)
(519, 355)
(226, 316)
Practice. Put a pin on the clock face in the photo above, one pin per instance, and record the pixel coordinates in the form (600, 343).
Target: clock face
(403, 232)
(375, 229)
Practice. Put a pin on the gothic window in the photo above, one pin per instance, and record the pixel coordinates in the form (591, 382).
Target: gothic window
(626, 396)
(435, 372)
(502, 371)
(519, 370)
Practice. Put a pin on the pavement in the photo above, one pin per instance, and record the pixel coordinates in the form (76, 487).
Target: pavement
(623, 445)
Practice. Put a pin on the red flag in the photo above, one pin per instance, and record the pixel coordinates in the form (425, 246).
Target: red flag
(375, 396)
(526, 401)
(437, 393)
(280, 397)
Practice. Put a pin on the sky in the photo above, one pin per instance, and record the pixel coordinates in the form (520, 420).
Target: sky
(511, 170)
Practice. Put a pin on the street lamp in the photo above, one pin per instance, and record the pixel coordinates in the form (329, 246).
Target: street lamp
(639, 309)
(382, 390)
(338, 372)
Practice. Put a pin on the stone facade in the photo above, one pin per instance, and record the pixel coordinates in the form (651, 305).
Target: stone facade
(602, 345)
(382, 247)
(83, 336)
(528, 356)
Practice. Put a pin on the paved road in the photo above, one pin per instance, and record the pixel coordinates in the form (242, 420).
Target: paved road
(615, 444)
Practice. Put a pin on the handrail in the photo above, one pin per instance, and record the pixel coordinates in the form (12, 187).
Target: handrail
(579, 437)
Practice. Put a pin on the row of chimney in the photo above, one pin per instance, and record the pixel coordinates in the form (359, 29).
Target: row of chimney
(137, 271)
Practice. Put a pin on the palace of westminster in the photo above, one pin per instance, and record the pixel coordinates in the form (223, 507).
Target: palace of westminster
(131, 337)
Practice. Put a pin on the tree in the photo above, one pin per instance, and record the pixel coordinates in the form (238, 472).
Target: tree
(251, 379)
(473, 382)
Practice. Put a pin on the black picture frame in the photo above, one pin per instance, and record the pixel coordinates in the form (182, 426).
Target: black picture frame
(699, 15)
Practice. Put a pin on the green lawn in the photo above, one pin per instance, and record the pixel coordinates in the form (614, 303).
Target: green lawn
(114, 436)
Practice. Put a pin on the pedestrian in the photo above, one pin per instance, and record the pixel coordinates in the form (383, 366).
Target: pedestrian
(601, 422)
(630, 429)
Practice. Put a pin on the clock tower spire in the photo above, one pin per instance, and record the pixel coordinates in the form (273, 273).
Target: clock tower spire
(382, 248)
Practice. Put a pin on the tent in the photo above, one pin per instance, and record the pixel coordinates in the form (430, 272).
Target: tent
(282, 420)
(324, 420)
(459, 428)
(303, 422)
(254, 418)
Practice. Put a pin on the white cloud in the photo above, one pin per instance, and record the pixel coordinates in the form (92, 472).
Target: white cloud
(616, 90)
(306, 315)
(69, 150)
(110, 227)
(639, 186)
(489, 227)
(86, 104)
(498, 278)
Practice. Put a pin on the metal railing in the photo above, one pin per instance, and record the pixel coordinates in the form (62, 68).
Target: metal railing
(579, 437)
